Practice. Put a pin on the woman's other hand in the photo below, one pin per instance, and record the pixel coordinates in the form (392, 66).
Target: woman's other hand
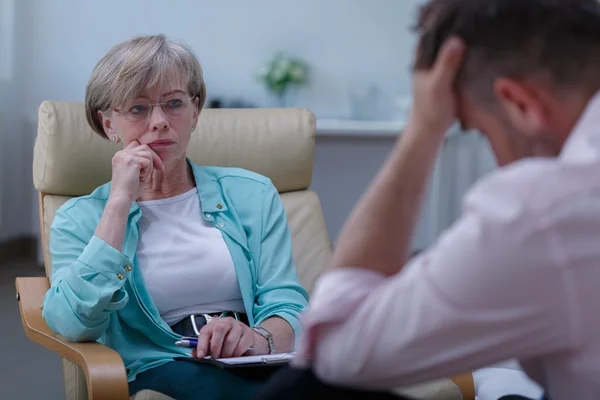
(228, 337)
(131, 168)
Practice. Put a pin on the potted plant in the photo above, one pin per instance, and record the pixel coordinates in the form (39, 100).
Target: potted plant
(280, 74)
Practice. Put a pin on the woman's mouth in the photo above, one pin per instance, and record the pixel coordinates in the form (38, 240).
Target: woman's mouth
(157, 144)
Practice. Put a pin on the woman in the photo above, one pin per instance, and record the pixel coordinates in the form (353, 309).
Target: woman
(169, 248)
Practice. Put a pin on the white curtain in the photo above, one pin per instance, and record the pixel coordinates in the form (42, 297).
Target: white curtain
(464, 158)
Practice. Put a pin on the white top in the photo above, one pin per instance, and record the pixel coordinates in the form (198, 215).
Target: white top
(517, 276)
(185, 262)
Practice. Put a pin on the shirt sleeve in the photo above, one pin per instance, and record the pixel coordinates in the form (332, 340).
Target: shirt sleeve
(491, 289)
(86, 282)
(279, 292)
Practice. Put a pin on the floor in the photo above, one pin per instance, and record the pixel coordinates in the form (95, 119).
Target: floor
(27, 370)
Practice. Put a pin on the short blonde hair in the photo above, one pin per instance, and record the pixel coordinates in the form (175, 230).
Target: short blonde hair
(132, 66)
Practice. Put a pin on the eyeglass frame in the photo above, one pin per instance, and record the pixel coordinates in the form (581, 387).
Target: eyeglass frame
(125, 113)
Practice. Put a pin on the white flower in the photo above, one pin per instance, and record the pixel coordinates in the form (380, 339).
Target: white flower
(297, 73)
(285, 64)
(279, 72)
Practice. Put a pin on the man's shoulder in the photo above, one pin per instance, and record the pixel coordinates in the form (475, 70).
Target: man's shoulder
(533, 187)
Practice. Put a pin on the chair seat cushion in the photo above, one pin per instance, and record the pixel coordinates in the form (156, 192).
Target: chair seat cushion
(150, 395)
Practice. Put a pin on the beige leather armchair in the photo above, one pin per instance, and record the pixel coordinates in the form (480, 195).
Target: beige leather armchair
(70, 160)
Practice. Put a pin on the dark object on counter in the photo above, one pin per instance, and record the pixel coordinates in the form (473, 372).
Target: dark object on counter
(215, 103)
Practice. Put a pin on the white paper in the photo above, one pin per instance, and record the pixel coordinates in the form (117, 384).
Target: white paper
(256, 359)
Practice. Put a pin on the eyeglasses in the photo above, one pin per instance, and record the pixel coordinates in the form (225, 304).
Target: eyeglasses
(141, 112)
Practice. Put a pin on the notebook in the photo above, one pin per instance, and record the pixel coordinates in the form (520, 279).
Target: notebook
(269, 360)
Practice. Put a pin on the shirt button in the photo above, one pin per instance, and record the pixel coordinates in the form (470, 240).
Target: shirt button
(120, 275)
(219, 206)
(222, 224)
(128, 268)
(207, 215)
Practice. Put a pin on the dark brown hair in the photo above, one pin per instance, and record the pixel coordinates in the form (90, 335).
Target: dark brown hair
(515, 38)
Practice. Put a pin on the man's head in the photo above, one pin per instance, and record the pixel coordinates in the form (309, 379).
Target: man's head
(530, 67)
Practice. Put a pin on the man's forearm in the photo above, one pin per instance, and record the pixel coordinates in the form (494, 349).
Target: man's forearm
(378, 233)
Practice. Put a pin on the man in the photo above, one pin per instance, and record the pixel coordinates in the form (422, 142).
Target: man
(518, 275)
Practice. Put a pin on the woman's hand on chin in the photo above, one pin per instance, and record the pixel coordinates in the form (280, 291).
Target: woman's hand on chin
(131, 168)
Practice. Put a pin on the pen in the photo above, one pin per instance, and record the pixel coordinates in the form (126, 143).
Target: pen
(193, 343)
(189, 343)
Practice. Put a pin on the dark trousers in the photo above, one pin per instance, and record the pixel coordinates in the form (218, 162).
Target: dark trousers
(183, 380)
(302, 384)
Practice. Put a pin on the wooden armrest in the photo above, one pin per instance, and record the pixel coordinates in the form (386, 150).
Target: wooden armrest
(466, 385)
(103, 367)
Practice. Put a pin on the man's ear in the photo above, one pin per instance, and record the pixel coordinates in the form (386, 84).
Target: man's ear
(106, 124)
(521, 105)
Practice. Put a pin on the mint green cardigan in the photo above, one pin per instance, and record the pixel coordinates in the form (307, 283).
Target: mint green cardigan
(98, 293)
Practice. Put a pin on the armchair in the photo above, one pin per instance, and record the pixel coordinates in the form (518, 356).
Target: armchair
(71, 160)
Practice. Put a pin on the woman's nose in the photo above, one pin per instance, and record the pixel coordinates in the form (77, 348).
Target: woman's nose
(158, 119)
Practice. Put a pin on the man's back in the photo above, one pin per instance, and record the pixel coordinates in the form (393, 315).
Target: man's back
(568, 195)
(516, 277)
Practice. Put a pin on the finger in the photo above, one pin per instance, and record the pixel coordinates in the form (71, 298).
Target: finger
(218, 337)
(145, 166)
(449, 60)
(147, 151)
(142, 152)
(245, 343)
(132, 144)
(129, 160)
(204, 338)
(232, 339)
(158, 164)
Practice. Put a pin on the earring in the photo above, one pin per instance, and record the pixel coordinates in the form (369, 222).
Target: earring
(113, 139)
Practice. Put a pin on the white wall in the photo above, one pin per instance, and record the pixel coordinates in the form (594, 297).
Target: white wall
(348, 43)
(16, 200)
(49, 48)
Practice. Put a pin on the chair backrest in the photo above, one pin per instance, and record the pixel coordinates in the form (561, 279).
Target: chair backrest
(71, 160)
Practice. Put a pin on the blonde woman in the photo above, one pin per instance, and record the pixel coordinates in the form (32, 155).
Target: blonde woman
(169, 248)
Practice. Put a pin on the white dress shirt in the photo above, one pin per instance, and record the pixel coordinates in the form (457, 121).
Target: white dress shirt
(517, 276)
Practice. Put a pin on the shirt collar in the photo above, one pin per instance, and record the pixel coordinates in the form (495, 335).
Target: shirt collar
(584, 140)
(208, 189)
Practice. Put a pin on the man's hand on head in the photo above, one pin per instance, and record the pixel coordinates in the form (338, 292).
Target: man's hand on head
(434, 101)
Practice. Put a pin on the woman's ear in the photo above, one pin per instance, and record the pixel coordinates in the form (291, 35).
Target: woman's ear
(196, 113)
(106, 124)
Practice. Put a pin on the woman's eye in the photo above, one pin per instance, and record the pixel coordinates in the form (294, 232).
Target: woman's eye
(175, 103)
(136, 110)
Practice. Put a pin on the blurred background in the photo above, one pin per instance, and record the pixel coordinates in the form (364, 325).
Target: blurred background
(355, 56)
(348, 61)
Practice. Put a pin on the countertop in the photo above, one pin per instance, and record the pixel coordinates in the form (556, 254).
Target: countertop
(360, 128)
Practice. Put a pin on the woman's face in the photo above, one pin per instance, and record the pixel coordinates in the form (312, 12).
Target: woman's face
(163, 117)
